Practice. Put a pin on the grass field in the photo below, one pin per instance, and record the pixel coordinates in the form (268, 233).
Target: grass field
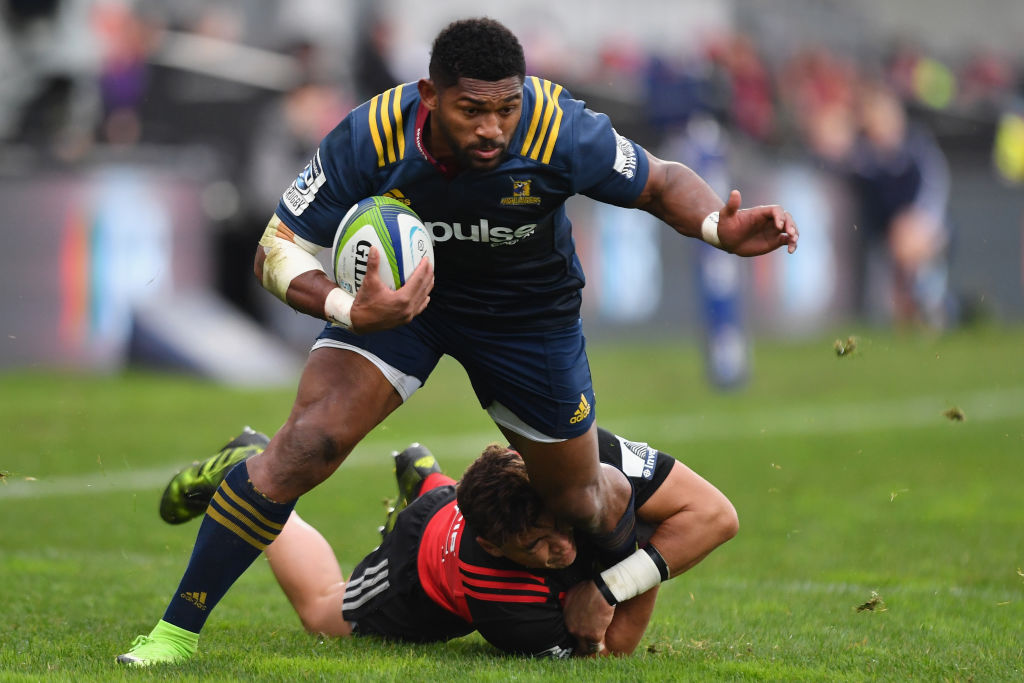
(853, 485)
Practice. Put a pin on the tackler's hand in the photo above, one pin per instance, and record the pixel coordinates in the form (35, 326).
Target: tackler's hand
(587, 613)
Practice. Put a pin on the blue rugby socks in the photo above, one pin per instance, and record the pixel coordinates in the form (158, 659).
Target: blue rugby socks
(239, 523)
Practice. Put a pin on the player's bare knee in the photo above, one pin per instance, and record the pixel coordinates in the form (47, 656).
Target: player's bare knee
(303, 454)
(723, 519)
(595, 506)
(322, 434)
(581, 506)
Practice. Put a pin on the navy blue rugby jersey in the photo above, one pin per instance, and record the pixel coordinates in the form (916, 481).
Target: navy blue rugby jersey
(502, 241)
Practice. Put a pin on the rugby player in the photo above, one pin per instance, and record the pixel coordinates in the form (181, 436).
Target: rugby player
(487, 157)
(480, 555)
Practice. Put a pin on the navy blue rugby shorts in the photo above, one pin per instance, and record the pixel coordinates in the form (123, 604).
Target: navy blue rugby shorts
(543, 378)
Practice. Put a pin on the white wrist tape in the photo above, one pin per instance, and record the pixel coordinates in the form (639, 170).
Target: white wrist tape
(286, 258)
(709, 229)
(636, 574)
(338, 307)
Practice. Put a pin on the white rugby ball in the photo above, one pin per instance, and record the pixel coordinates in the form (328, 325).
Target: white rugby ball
(392, 227)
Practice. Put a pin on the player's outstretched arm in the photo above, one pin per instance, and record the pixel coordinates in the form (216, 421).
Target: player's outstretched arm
(690, 519)
(287, 267)
(681, 198)
(307, 571)
(630, 623)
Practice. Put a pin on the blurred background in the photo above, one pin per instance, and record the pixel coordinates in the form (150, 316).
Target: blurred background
(144, 144)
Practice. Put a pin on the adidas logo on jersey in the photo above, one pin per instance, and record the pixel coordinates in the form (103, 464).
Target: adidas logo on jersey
(198, 599)
(581, 412)
(496, 236)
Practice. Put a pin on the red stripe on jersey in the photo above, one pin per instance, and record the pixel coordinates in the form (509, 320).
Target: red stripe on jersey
(503, 573)
(503, 585)
(500, 597)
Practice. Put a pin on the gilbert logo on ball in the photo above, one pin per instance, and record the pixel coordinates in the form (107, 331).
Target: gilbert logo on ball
(392, 227)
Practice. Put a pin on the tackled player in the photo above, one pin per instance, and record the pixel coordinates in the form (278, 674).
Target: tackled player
(481, 555)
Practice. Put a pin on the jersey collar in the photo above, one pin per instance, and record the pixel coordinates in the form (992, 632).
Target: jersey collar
(422, 115)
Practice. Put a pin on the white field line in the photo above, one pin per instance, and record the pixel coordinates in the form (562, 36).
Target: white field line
(148, 479)
(805, 420)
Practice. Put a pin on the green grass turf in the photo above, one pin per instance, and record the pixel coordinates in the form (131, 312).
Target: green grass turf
(849, 480)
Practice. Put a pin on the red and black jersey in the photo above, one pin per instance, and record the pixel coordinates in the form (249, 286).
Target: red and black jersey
(430, 580)
(516, 609)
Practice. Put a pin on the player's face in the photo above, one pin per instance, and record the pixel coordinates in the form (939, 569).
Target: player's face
(549, 545)
(474, 120)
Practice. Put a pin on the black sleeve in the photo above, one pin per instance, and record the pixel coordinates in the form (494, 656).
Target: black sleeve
(531, 629)
(646, 467)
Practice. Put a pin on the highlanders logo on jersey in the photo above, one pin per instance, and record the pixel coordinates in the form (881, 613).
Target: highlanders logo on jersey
(303, 189)
(520, 194)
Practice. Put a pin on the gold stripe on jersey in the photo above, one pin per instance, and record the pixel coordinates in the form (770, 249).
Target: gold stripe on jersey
(399, 124)
(385, 118)
(391, 146)
(550, 147)
(532, 130)
(545, 121)
(374, 133)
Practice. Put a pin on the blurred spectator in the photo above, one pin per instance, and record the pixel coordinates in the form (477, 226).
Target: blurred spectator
(817, 87)
(985, 81)
(372, 73)
(751, 94)
(48, 93)
(675, 93)
(282, 139)
(126, 40)
(902, 182)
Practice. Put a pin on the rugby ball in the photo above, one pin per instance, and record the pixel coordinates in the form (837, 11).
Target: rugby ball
(392, 227)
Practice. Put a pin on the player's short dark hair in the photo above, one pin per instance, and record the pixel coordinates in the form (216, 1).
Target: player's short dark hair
(481, 49)
(496, 498)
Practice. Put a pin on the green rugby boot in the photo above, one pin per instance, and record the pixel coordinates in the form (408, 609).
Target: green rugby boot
(191, 489)
(165, 644)
(412, 467)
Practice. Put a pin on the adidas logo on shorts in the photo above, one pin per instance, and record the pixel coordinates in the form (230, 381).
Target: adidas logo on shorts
(582, 412)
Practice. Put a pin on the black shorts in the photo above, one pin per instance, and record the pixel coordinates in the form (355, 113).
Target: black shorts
(383, 597)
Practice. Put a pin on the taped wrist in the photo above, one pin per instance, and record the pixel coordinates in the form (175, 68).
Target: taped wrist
(287, 257)
(338, 308)
(638, 573)
(709, 229)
